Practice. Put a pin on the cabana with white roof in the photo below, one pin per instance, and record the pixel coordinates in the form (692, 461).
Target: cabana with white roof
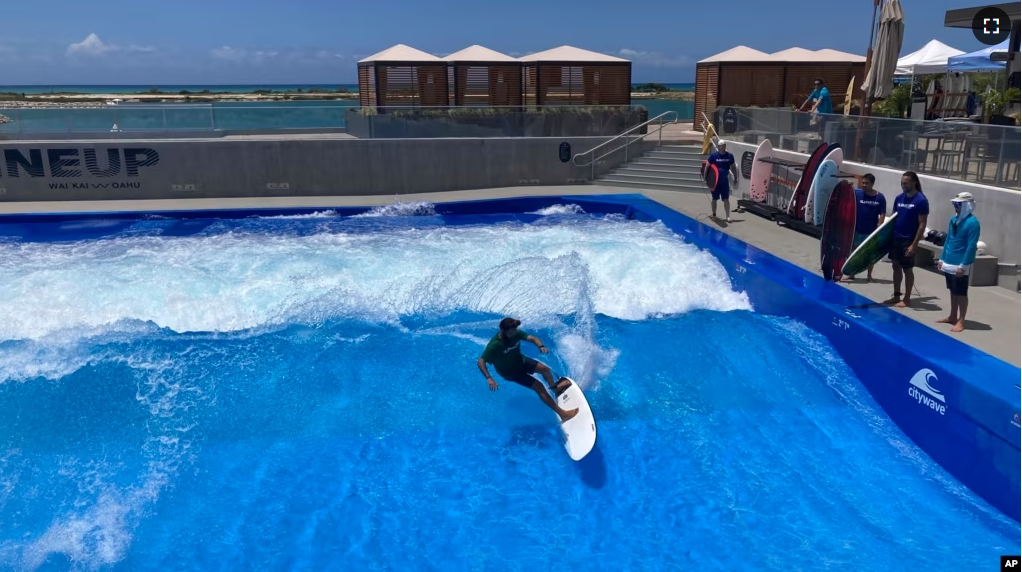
(743, 76)
(481, 76)
(402, 76)
(573, 76)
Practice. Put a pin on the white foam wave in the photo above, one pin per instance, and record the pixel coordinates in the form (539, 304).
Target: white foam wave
(235, 280)
(400, 209)
(555, 210)
(318, 214)
(96, 529)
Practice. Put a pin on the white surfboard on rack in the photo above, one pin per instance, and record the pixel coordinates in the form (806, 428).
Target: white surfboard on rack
(580, 430)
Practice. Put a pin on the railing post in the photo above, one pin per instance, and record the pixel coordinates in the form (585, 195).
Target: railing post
(164, 118)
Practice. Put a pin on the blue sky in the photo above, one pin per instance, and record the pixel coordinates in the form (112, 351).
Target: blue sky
(316, 41)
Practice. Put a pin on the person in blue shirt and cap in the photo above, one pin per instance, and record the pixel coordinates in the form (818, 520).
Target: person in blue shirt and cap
(956, 260)
(820, 98)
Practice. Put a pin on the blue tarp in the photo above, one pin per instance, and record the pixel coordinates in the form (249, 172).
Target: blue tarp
(978, 60)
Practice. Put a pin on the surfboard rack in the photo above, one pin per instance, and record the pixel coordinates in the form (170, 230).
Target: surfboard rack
(799, 225)
(760, 209)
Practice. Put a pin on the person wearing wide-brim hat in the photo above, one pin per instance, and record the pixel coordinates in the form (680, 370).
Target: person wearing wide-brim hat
(956, 260)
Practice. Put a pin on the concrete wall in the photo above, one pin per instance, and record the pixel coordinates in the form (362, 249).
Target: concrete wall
(998, 210)
(134, 169)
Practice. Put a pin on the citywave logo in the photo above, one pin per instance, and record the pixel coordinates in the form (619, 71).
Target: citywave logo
(924, 393)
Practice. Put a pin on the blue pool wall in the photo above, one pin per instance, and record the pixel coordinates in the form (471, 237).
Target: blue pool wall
(975, 439)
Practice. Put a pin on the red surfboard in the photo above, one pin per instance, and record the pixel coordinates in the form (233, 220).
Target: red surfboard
(798, 199)
(838, 231)
(711, 175)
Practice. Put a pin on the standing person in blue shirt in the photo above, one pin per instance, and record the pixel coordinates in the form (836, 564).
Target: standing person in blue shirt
(822, 106)
(725, 163)
(957, 258)
(912, 208)
(870, 209)
(820, 98)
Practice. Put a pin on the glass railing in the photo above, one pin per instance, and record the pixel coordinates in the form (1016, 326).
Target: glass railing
(312, 116)
(492, 121)
(175, 117)
(309, 115)
(961, 150)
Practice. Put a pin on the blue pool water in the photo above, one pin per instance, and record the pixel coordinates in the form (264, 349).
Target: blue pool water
(300, 393)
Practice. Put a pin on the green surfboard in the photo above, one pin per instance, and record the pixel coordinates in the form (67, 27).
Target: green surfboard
(872, 250)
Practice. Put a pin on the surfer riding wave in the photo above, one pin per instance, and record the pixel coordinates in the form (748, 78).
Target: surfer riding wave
(504, 352)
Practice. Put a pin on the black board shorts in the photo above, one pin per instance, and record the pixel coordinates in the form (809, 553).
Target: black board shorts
(897, 254)
(523, 376)
(958, 285)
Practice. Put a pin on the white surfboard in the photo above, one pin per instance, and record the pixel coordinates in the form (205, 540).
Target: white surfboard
(580, 430)
(836, 157)
(759, 179)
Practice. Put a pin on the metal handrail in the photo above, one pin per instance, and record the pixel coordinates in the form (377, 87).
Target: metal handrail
(660, 137)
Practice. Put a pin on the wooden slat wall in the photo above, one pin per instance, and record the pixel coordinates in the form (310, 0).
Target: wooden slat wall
(752, 85)
(481, 84)
(799, 83)
(407, 85)
(505, 85)
(433, 85)
(452, 96)
(529, 87)
(366, 86)
(607, 84)
(561, 84)
(706, 96)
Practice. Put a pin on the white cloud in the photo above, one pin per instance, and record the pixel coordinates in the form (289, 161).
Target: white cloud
(649, 58)
(92, 45)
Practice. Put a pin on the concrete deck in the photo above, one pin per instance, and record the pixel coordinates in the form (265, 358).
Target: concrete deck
(995, 314)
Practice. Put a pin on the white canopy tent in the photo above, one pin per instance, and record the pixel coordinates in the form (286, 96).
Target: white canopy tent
(930, 59)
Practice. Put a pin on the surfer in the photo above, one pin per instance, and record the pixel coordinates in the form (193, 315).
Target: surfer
(505, 353)
(871, 206)
(725, 163)
(956, 260)
(912, 208)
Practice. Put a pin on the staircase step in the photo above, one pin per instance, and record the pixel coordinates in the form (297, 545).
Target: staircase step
(612, 181)
(686, 158)
(667, 175)
(665, 165)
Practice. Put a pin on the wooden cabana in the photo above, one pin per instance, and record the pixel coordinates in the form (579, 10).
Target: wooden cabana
(745, 77)
(573, 76)
(481, 76)
(402, 76)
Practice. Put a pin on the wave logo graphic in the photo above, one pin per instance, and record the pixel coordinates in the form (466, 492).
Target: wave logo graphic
(924, 393)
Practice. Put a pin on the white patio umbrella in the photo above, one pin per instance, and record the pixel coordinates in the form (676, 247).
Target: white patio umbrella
(880, 79)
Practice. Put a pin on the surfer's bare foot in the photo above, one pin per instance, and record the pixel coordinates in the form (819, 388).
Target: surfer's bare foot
(568, 414)
(947, 321)
(904, 303)
(959, 327)
(896, 299)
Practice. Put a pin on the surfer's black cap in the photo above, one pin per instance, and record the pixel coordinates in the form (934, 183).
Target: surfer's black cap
(508, 323)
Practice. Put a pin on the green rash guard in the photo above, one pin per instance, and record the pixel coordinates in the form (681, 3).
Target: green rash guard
(506, 359)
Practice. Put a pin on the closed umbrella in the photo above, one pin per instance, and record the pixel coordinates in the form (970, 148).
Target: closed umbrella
(880, 79)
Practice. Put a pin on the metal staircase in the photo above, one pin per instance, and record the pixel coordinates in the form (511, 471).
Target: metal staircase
(669, 167)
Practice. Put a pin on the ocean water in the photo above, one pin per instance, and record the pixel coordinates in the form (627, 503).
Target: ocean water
(301, 393)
